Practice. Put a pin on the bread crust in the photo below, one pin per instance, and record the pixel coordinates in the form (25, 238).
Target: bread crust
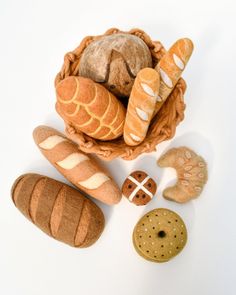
(57, 209)
(79, 168)
(141, 106)
(89, 107)
(171, 66)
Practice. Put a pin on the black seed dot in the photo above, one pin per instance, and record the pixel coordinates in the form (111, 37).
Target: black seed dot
(130, 186)
(143, 196)
(174, 236)
(140, 236)
(169, 221)
(176, 220)
(112, 86)
(156, 215)
(142, 223)
(181, 233)
(126, 82)
(161, 234)
(155, 256)
(139, 175)
(162, 255)
(147, 251)
(177, 247)
(139, 246)
(162, 246)
(150, 236)
(149, 184)
(137, 196)
(147, 216)
(153, 227)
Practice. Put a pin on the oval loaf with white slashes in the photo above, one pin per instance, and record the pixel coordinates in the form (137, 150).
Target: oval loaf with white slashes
(141, 106)
(171, 67)
(90, 108)
(59, 210)
(78, 167)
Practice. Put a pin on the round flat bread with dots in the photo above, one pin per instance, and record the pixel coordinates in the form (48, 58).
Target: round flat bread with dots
(159, 235)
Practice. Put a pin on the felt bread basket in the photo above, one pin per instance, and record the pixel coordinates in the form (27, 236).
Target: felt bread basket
(163, 125)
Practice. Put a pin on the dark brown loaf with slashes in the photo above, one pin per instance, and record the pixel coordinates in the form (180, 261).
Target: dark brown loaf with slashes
(59, 210)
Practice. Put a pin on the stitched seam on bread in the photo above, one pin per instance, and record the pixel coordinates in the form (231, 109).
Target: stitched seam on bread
(34, 200)
(86, 123)
(76, 111)
(108, 106)
(61, 196)
(112, 128)
(95, 96)
(78, 227)
(93, 116)
(90, 113)
(31, 195)
(115, 130)
(96, 130)
(16, 183)
(74, 96)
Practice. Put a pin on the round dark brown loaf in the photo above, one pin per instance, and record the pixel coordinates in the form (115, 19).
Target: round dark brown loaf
(115, 61)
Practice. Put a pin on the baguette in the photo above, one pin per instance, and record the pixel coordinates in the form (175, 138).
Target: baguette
(59, 210)
(141, 106)
(78, 167)
(89, 107)
(171, 67)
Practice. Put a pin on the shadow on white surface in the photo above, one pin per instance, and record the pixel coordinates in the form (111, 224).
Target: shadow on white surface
(201, 146)
(198, 143)
(210, 38)
(148, 164)
(54, 120)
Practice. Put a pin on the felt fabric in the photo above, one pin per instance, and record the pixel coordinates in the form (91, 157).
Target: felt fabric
(121, 57)
(191, 170)
(142, 103)
(139, 188)
(90, 108)
(80, 169)
(59, 210)
(163, 125)
(159, 235)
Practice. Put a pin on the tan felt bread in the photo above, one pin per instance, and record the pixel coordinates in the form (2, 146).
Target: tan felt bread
(59, 210)
(171, 67)
(159, 235)
(89, 107)
(191, 171)
(78, 167)
(141, 106)
(115, 61)
(139, 188)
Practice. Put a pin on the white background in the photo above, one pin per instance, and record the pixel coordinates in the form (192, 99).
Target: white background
(34, 36)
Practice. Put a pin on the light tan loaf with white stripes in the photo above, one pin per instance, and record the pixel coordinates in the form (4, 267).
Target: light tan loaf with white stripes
(141, 106)
(79, 168)
(89, 107)
(171, 67)
(58, 209)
